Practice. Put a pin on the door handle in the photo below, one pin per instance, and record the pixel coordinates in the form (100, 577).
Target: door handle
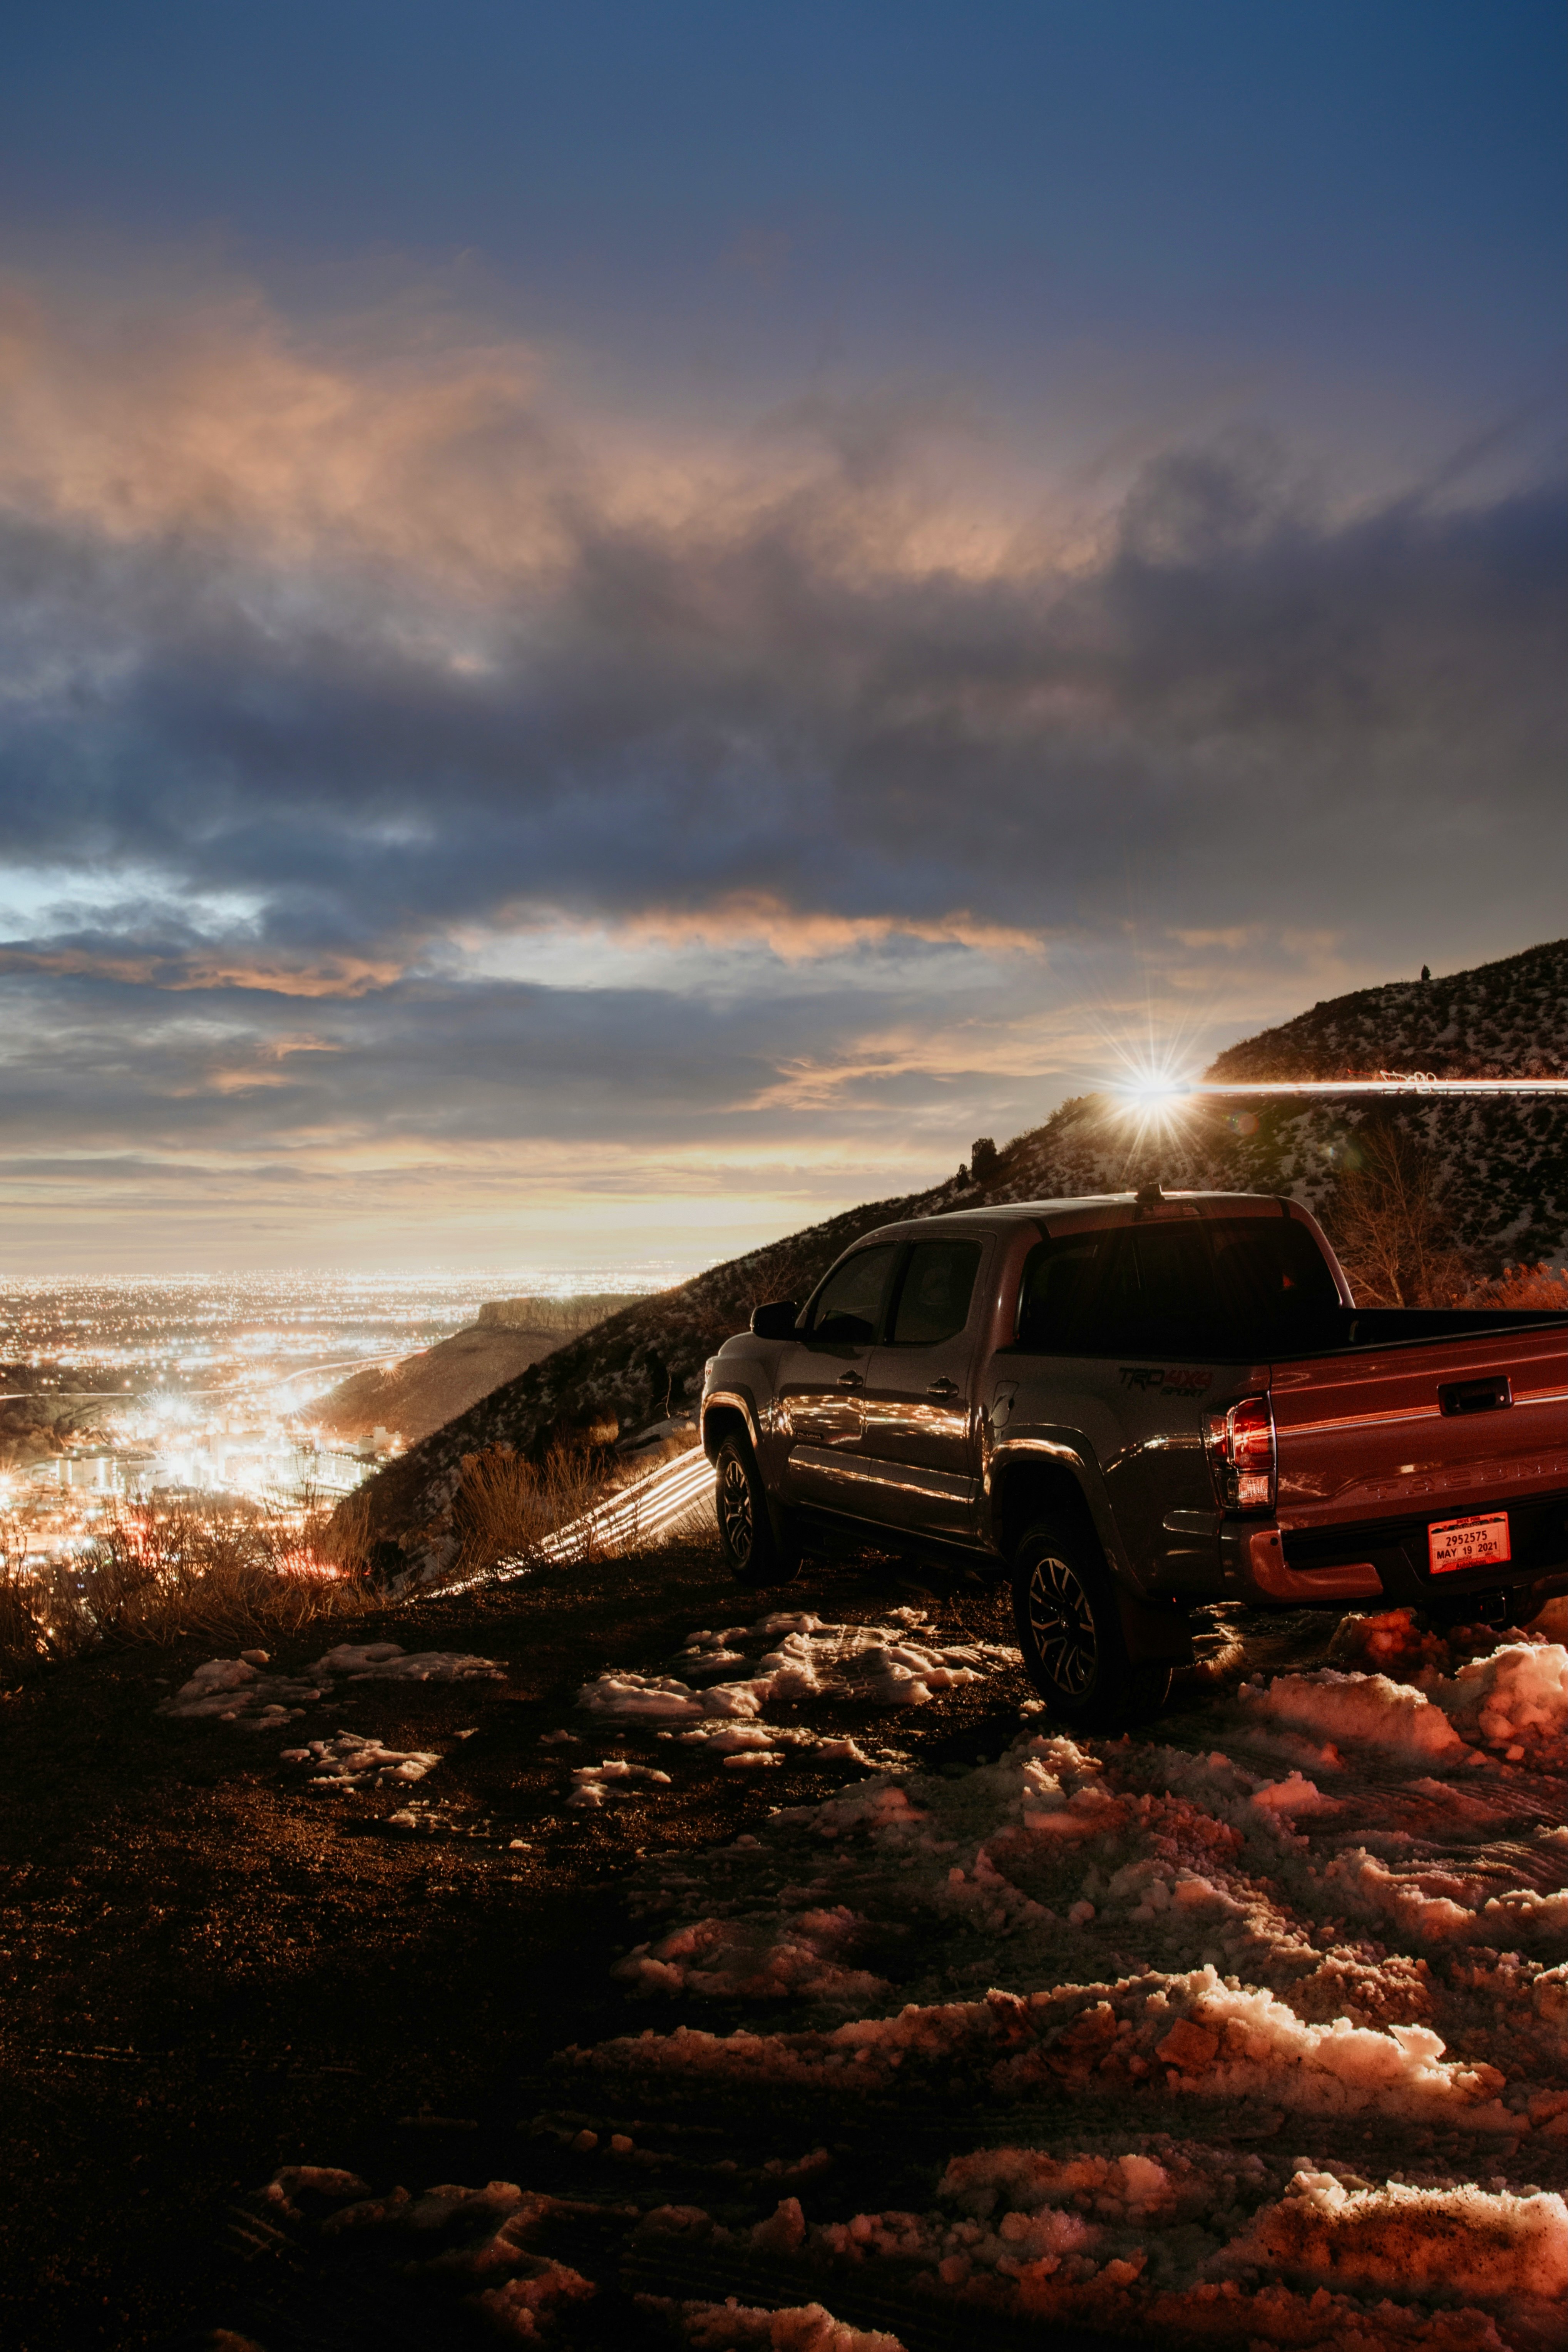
(942, 1389)
(850, 1380)
(1475, 1396)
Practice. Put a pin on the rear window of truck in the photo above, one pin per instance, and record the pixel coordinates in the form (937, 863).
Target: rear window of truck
(1208, 1286)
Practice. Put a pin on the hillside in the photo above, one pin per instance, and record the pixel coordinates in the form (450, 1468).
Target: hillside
(1503, 1020)
(1502, 1166)
(427, 1390)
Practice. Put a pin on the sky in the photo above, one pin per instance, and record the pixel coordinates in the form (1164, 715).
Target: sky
(622, 626)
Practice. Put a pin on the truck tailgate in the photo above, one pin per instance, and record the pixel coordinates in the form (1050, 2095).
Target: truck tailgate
(1428, 1429)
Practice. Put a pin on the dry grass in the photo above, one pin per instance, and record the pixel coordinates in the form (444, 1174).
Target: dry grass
(157, 1574)
(507, 1504)
(1525, 1286)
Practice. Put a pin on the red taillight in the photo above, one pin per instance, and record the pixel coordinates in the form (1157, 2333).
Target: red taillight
(1242, 1443)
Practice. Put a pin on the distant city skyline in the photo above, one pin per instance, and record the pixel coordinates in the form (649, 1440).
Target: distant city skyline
(620, 628)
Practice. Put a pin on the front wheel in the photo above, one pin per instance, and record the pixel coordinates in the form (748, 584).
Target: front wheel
(1069, 1631)
(746, 1536)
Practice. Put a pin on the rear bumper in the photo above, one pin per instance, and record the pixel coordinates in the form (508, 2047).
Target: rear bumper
(1254, 1560)
(1387, 1561)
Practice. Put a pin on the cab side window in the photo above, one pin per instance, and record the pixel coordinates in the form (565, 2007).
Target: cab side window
(1056, 1301)
(848, 1308)
(1161, 1293)
(1164, 1278)
(934, 1295)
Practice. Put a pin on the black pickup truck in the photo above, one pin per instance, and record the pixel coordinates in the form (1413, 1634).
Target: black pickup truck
(1136, 1403)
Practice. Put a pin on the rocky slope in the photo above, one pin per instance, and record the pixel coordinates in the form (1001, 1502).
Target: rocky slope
(39, 1418)
(425, 1391)
(1503, 1167)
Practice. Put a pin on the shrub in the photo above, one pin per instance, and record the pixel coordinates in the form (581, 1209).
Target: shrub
(156, 1573)
(1525, 1286)
(984, 1160)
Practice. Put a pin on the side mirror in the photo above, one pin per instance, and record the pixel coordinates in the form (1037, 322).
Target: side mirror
(776, 1319)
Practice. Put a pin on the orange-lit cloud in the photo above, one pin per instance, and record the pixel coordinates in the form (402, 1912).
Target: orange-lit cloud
(755, 917)
(468, 459)
(346, 976)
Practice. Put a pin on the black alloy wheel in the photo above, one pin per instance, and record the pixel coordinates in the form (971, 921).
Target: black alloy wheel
(746, 1536)
(1069, 1632)
(1062, 1634)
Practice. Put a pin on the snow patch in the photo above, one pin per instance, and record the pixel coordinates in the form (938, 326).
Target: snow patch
(594, 1784)
(733, 2326)
(234, 1690)
(1520, 1691)
(810, 1659)
(352, 1762)
(738, 1959)
(1465, 2241)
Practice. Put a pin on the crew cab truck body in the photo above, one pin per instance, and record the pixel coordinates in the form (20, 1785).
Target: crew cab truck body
(1136, 1403)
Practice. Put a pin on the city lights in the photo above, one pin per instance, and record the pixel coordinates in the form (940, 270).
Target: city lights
(181, 1392)
(214, 1394)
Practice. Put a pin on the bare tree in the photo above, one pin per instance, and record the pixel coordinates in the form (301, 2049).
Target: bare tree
(1390, 1223)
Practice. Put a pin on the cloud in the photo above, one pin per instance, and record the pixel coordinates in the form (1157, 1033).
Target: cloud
(796, 935)
(390, 645)
(814, 765)
(327, 975)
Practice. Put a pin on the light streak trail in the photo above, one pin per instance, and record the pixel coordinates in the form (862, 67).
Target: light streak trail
(1394, 1083)
(649, 1507)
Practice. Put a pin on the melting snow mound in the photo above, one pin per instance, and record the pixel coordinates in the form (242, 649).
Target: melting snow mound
(1356, 1711)
(1520, 1689)
(1490, 2248)
(1159, 1968)
(734, 2326)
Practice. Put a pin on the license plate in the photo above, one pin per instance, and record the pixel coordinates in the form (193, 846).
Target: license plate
(1467, 1543)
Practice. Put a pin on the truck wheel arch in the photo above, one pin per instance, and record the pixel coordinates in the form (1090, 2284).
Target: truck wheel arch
(1033, 1482)
(726, 1418)
(1044, 1488)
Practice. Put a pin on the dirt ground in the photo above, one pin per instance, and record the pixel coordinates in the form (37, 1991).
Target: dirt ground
(211, 1972)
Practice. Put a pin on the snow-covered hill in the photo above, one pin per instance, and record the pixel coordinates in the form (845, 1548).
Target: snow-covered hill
(1504, 1020)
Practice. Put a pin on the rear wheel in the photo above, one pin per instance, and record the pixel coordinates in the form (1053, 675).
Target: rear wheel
(1069, 1631)
(746, 1536)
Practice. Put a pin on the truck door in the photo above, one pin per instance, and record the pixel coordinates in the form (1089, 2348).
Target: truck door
(821, 1380)
(920, 1436)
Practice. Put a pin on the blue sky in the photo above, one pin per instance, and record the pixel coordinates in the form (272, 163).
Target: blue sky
(621, 626)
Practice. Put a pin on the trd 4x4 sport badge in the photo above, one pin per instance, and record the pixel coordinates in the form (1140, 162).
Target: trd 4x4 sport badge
(1183, 1382)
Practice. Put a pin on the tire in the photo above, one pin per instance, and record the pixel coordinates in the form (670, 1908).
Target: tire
(1069, 1631)
(746, 1537)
